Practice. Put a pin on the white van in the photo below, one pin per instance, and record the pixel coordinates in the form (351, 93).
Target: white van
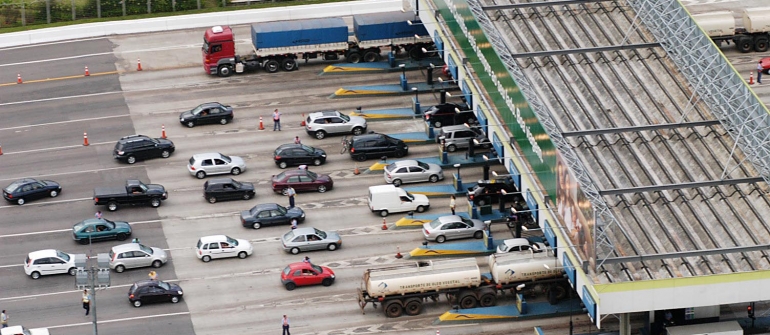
(387, 199)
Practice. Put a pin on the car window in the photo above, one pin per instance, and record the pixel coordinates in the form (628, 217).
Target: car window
(313, 237)
(88, 229)
(228, 187)
(219, 162)
(213, 246)
(225, 245)
(415, 169)
(41, 261)
(305, 179)
(207, 162)
(232, 241)
(26, 188)
(299, 239)
(423, 165)
(215, 110)
(317, 268)
(337, 120)
(281, 210)
(297, 273)
(264, 214)
(275, 213)
(63, 255)
(164, 285)
(55, 260)
(402, 170)
(321, 233)
(319, 121)
(123, 255)
(293, 179)
(307, 148)
(466, 134)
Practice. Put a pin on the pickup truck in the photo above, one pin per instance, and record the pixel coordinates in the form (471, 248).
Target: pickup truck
(134, 193)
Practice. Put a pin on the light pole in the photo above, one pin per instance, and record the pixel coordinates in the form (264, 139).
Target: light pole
(92, 277)
(570, 302)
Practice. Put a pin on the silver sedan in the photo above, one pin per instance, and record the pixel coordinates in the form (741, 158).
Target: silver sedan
(412, 171)
(309, 238)
(452, 227)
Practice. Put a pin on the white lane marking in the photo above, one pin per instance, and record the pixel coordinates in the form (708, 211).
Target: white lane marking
(67, 229)
(101, 54)
(119, 320)
(11, 266)
(54, 148)
(52, 43)
(60, 98)
(63, 122)
(77, 172)
(47, 203)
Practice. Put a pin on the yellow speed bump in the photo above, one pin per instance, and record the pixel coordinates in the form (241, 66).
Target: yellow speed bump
(378, 116)
(410, 223)
(422, 252)
(378, 166)
(452, 316)
(352, 92)
(343, 69)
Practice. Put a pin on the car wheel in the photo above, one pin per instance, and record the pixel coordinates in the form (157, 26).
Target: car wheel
(482, 202)
(384, 213)
(20, 201)
(174, 300)
(317, 162)
(294, 251)
(112, 206)
(72, 271)
(441, 239)
(433, 178)
(156, 264)
(131, 160)
(396, 182)
(121, 237)
(206, 259)
(256, 225)
(331, 247)
(321, 188)
(290, 286)
(212, 199)
(155, 202)
(478, 234)
(285, 191)
(83, 241)
(451, 148)
(327, 282)
(35, 275)
(235, 171)
(54, 194)
(420, 209)
(320, 134)
(246, 196)
(242, 255)
(201, 174)
(399, 154)
(223, 121)
(360, 158)
(165, 154)
(120, 269)
(358, 131)
(190, 124)
(282, 165)
(437, 124)
(138, 303)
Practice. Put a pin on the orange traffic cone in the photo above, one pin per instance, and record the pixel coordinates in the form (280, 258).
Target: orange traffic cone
(261, 125)
(163, 131)
(18, 78)
(356, 171)
(138, 64)
(384, 225)
(398, 253)
(303, 120)
(87, 74)
(85, 139)
(751, 78)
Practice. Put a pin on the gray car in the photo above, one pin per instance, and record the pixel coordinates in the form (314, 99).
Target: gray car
(135, 255)
(202, 165)
(452, 227)
(309, 238)
(412, 171)
(319, 124)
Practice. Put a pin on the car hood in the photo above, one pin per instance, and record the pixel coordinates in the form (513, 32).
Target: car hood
(421, 198)
(247, 186)
(174, 287)
(357, 120)
(237, 161)
(155, 188)
(164, 141)
(295, 212)
(320, 152)
(39, 331)
(186, 115)
(50, 183)
(122, 225)
(243, 244)
(160, 253)
(332, 236)
(327, 270)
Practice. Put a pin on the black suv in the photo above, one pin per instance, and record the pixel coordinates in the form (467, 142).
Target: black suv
(298, 154)
(150, 291)
(490, 191)
(374, 145)
(134, 147)
(227, 189)
(447, 114)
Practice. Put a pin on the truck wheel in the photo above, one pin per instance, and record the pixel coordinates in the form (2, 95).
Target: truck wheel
(371, 56)
(467, 300)
(558, 292)
(272, 66)
(224, 71)
(420, 209)
(155, 202)
(288, 64)
(112, 206)
(745, 44)
(393, 309)
(488, 300)
(760, 45)
(413, 306)
(354, 57)
(415, 53)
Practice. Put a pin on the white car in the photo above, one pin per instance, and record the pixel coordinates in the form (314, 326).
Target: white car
(202, 165)
(135, 255)
(222, 246)
(49, 262)
(20, 330)
(520, 244)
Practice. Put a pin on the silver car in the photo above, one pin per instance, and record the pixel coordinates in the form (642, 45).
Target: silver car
(452, 227)
(319, 124)
(135, 255)
(202, 165)
(412, 171)
(309, 238)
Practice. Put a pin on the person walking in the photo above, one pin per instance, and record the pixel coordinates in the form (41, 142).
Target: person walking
(4, 319)
(759, 72)
(285, 324)
(291, 193)
(306, 260)
(86, 301)
(296, 140)
(98, 214)
(293, 223)
(153, 275)
(276, 120)
(452, 203)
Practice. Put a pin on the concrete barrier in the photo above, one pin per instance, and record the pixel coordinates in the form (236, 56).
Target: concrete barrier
(89, 30)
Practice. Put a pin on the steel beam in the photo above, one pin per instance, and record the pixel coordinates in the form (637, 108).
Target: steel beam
(640, 128)
(585, 50)
(681, 254)
(645, 189)
(540, 4)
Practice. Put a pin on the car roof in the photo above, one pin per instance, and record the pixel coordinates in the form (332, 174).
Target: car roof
(207, 155)
(299, 265)
(130, 138)
(42, 253)
(323, 113)
(512, 242)
(295, 172)
(219, 181)
(146, 282)
(269, 205)
(126, 247)
(406, 162)
(304, 231)
(288, 145)
(368, 136)
(213, 238)
(450, 218)
(211, 104)
(455, 128)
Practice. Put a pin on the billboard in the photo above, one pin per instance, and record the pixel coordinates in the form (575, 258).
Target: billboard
(576, 213)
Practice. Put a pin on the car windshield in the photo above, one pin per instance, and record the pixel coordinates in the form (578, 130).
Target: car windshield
(312, 174)
(467, 221)
(237, 184)
(286, 270)
(144, 187)
(435, 223)
(390, 167)
(14, 186)
(281, 176)
(226, 158)
(345, 117)
(321, 233)
(63, 255)
(109, 223)
(317, 268)
(145, 249)
(423, 165)
(288, 236)
(232, 241)
(410, 196)
(307, 148)
(197, 110)
(164, 285)
(281, 210)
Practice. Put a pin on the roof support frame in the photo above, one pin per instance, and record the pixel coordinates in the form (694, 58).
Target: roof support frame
(640, 128)
(656, 188)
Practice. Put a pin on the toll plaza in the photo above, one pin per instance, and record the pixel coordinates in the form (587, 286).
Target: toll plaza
(391, 65)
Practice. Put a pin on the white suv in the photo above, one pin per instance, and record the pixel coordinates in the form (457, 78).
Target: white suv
(201, 165)
(319, 124)
(49, 262)
(222, 246)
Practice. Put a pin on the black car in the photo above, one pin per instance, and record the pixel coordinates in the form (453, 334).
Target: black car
(137, 147)
(374, 145)
(447, 114)
(270, 214)
(150, 291)
(298, 154)
(490, 191)
(29, 189)
(208, 113)
(227, 189)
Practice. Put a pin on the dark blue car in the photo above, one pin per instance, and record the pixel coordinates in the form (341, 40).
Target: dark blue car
(26, 189)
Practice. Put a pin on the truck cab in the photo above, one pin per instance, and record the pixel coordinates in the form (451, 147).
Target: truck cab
(218, 44)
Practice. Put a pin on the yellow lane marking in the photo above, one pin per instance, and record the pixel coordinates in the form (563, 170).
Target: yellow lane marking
(58, 78)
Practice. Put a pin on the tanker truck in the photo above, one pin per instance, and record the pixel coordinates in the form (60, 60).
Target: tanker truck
(279, 44)
(754, 35)
(402, 289)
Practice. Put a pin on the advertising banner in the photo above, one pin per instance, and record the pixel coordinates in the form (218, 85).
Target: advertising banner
(576, 213)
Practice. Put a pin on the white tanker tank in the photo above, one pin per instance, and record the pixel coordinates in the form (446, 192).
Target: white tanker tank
(524, 266)
(422, 276)
(754, 35)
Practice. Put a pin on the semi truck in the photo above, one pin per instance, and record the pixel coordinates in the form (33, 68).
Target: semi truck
(754, 35)
(279, 44)
(402, 289)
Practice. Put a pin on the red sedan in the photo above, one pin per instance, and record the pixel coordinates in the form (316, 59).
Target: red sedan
(301, 180)
(304, 274)
(765, 65)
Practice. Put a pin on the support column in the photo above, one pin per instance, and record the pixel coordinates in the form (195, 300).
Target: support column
(625, 324)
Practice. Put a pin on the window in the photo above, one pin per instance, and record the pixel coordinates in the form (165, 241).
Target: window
(415, 169)
(336, 120)
(215, 110)
(297, 273)
(299, 239)
(401, 170)
(207, 162)
(226, 245)
(41, 261)
(219, 162)
(305, 179)
(216, 48)
(275, 213)
(214, 246)
(264, 214)
(228, 187)
(293, 179)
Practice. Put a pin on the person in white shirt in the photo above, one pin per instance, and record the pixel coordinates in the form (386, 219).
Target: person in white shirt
(285, 324)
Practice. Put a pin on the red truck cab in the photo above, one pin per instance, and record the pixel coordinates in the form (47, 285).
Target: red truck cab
(218, 44)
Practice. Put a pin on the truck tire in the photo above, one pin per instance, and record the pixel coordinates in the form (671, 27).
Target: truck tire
(354, 57)
(112, 206)
(467, 300)
(289, 64)
(371, 56)
(413, 306)
(556, 293)
(744, 44)
(272, 66)
(224, 71)
(488, 299)
(393, 309)
(415, 53)
(761, 44)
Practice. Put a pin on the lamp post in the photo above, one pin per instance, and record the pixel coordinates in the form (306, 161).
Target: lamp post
(92, 277)
(570, 302)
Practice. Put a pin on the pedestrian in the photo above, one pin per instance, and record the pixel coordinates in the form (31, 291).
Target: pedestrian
(306, 260)
(4, 319)
(291, 193)
(452, 203)
(86, 301)
(303, 167)
(135, 240)
(296, 140)
(98, 214)
(153, 275)
(285, 324)
(759, 72)
(276, 120)
(293, 223)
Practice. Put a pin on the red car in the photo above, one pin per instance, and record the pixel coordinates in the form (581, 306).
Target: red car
(302, 180)
(304, 274)
(765, 65)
